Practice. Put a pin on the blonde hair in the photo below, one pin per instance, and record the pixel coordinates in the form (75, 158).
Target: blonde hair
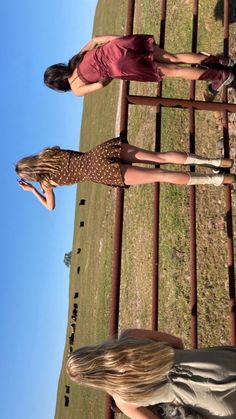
(128, 368)
(40, 167)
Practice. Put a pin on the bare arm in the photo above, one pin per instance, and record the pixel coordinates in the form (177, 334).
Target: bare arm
(47, 199)
(89, 88)
(135, 412)
(173, 341)
(98, 40)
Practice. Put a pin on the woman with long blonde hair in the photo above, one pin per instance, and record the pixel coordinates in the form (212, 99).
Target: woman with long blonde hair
(143, 368)
(110, 163)
(135, 57)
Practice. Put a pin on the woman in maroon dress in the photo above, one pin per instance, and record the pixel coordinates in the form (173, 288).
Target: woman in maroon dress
(134, 57)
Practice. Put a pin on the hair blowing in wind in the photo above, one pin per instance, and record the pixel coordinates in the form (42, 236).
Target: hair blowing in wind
(127, 368)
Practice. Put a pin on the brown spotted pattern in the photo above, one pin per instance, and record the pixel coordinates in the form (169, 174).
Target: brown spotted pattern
(100, 165)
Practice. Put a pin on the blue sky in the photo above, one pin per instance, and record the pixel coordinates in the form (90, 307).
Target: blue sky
(34, 279)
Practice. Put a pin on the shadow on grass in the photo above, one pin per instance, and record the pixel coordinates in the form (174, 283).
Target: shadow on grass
(219, 11)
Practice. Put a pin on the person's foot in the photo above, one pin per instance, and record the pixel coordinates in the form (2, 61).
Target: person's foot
(228, 79)
(226, 163)
(226, 61)
(216, 180)
(194, 159)
(229, 179)
(222, 163)
(215, 61)
(233, 83)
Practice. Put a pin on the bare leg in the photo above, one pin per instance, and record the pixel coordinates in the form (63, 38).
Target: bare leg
(169, 67)
(132, 154)
(140, 175)
(163, 56)
(188, 73)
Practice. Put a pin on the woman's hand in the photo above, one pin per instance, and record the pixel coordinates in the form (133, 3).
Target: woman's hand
(173, 341)
(47, 199)
(90, 45)
(96, 41)
(101, 40)
(26, 186)
(86, 89)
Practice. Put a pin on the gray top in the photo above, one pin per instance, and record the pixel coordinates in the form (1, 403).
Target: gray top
(203, 379)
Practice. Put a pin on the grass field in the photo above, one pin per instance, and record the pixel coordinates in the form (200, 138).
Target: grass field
(95, 238)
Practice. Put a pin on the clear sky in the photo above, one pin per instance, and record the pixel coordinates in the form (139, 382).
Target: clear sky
(34, 279)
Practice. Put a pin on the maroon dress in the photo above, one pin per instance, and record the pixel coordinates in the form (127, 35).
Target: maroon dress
(127, 58)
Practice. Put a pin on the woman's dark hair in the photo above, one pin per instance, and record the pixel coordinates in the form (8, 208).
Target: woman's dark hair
(56, 76)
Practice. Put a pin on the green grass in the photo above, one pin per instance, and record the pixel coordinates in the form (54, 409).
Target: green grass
(95, 239)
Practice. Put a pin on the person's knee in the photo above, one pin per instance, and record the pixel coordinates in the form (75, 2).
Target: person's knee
(172, 58)
(172, 71)
(176, 58)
